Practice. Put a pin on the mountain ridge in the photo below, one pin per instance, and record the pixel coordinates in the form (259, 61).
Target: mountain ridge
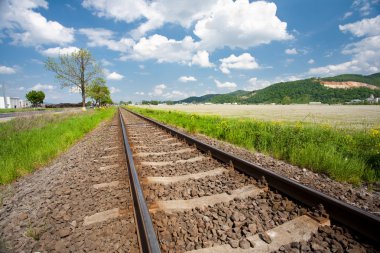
(301, 91)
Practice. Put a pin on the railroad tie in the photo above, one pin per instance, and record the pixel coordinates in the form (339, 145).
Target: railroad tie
(296, 230)
(106, 185)
(109, 156)
(181, 204)
(108, 167)
(111, 148)
(104, 216)
(180, 151)
(176, 179)
(194, 159)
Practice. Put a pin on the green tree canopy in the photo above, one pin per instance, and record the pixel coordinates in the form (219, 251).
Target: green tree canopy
(35, 97)
(99, 92)
(77, 69)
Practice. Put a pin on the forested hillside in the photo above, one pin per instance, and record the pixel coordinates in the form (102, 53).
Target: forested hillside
(305, 91)
(301, 91)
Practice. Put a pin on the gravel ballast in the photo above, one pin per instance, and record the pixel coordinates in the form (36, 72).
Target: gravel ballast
(234, 223)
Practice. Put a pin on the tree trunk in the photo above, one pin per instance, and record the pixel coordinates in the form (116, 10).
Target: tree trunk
(83, 100)
(82, 84)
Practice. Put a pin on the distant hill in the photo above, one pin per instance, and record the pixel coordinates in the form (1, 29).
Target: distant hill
(217, 98)
(301, 91)
(201, 99)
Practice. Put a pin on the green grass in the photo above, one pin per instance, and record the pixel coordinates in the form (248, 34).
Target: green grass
(29, 143)
(343, 154)
(25, 109)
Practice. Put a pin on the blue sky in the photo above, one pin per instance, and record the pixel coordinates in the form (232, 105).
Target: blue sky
(170, 49)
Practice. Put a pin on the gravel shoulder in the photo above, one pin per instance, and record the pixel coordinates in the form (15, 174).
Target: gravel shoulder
(52, 209)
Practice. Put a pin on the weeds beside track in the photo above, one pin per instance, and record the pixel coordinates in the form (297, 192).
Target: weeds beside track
(344, 154)
(29, 143)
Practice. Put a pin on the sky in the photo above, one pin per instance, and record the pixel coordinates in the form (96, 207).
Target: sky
(170, 49)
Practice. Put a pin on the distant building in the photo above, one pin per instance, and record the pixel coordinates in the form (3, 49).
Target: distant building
(372, 99)
(13, 102)
(355, 101)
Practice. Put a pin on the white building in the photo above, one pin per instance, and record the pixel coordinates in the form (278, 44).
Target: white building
(13, 102)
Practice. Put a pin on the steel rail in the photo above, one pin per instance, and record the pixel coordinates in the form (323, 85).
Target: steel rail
(147, 237)
(355, 218)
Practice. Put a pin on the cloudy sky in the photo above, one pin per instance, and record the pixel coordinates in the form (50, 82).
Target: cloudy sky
(170, 49)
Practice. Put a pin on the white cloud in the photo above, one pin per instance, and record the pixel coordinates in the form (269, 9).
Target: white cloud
(99, 37)
(175, 94)
(311, 61)
(183, 13)
(70, 7)
(56, 51)
(185, 79)
(240, 24)
(159, 89)
(74, 89)
(291, 51)
(225, 85)
(114, 76)
(347, 14)
(255, 84)
(363, 6)
(117, 9)
(201, 58)
(105, 62)
(365, 59)
(365, 54)
(42, 87)
(156, 13)
(365, 27)
(114, 90)
(28, 27)
(7, 70)
(21, 88)
(217, 23)
(162, 49)
(243, 61)
(140, 93)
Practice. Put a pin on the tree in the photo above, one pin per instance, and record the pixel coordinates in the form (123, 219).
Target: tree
(125, 103)
(99, 92)
(35, 97)
(77, 70)
(286, 100)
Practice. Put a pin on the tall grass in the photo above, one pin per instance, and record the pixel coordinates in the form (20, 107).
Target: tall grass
(28, 143)
(2, 110)
(344, 154)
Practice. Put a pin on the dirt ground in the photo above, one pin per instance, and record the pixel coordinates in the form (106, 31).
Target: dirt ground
(355, 116)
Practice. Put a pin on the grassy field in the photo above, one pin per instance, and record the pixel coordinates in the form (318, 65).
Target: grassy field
(350, 155)
(29, 143)
(352, 116)
(24, 109)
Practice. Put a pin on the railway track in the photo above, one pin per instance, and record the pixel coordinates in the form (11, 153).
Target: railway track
(191, 197)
